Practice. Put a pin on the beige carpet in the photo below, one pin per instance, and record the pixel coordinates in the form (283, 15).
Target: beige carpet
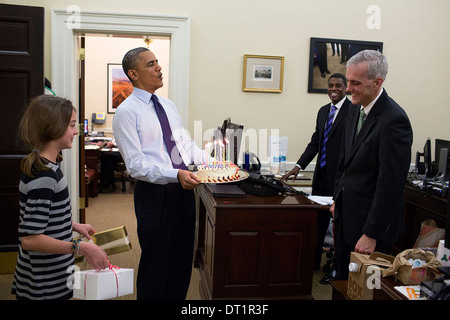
(116, 209)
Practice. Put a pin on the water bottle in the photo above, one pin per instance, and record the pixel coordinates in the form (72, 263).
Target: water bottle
(247, 161)
(282, 162)
(275, 165)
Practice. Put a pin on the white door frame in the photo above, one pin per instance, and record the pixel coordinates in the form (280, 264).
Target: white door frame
(66, 24)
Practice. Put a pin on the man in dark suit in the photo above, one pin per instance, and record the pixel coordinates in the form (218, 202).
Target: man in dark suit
(328, 152)
(373, 166)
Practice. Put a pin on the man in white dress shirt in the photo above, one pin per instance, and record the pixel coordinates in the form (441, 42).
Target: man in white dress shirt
(163, 196)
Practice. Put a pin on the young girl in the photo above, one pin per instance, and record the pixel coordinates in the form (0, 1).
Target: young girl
(46, 249)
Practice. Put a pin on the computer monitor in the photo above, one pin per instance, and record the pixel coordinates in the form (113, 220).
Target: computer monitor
(427, 158)
(425, 168)
(233, 133)
(442, 163)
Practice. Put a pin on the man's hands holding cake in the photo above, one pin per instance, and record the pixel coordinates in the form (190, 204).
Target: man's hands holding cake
(188, 179)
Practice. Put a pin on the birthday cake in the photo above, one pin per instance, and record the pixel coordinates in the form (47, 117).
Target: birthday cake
(218, 172)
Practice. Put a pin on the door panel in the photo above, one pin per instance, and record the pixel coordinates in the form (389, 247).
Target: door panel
(21, 79)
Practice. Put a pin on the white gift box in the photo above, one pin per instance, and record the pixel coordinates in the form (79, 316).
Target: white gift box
(104, 284)
(443, 254)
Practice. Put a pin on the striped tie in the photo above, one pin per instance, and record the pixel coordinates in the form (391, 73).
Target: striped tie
(326, 135)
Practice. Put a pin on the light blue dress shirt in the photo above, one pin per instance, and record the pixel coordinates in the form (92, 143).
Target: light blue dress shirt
(139, 137)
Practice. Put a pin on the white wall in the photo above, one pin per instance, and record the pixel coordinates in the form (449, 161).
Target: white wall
(415, 34)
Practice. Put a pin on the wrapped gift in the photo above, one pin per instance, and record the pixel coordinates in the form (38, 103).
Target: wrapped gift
(104, 284)
(443, 254)
(113, 241)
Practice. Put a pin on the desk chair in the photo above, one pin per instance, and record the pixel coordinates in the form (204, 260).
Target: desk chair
(122, 170)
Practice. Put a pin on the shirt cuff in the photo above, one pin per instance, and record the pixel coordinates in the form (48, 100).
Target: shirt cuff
(171, 175)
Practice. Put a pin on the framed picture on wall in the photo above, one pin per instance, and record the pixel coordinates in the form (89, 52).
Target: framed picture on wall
(263, 73)
(328, 56)
(119, 86)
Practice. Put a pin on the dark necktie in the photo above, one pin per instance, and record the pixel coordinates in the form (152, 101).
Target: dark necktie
(171, 146)
(362, 117)
(326, 134)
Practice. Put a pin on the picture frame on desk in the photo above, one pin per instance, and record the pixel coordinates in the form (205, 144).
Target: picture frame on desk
(328, 56)
(263, 73)
(119, 86)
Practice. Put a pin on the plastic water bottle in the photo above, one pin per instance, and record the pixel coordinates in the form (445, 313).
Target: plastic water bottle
(247, 161)
(282, 162)
(275, 165)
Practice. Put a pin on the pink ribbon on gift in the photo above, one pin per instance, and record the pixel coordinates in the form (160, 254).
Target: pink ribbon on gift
(110, 267)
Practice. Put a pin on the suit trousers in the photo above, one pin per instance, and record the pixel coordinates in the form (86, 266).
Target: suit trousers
(343, 249)
(165, 226)
(321, 187)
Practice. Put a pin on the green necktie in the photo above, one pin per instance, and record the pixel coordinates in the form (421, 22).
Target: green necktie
(362, 117)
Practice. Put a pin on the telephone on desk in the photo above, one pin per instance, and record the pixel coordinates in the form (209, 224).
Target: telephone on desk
(264, 186)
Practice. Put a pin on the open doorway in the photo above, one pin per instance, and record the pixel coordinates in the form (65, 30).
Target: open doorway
(103, 54)
(103, 86)
(65, 26)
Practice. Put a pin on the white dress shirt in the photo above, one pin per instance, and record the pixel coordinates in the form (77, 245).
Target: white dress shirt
(370, 105)
(140, 140)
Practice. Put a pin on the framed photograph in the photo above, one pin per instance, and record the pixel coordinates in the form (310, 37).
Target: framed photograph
(263, 73)
(328, 56)
(119, 86)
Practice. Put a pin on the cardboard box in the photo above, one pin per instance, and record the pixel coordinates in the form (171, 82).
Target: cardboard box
(367, 274)
(103, 284)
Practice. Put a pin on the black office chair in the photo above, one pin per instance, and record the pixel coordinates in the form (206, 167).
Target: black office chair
(122, 169)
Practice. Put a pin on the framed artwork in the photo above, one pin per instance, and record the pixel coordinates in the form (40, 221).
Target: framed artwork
(328, 56)
(263, 73)
(119, 86)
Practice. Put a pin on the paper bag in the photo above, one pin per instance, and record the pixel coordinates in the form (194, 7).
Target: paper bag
(404, 271)
(367, 274)
(113, 241)
(104, 284)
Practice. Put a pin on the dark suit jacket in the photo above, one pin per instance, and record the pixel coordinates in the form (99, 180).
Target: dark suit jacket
(333, 145)
(373, 171)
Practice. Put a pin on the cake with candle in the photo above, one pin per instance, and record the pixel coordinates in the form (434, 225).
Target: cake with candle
(218, 172)
(218, 168)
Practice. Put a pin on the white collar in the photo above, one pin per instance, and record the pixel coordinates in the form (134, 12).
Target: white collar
(370, 105)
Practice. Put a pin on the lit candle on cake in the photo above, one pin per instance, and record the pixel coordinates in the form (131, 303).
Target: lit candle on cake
(215, 151)
(207, 152)
(228, 149)
(222, 152)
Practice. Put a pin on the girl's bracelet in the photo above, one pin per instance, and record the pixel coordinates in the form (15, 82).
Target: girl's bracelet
(75, 246)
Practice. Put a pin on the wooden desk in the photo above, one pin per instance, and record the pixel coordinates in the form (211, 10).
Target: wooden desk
(255, 247)
(419, 206)
(92, 160)
(386, 291)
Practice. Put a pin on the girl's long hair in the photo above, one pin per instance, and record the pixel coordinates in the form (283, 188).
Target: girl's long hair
(46, 118)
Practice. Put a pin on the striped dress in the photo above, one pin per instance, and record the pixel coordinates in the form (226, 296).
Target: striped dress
(44, 209)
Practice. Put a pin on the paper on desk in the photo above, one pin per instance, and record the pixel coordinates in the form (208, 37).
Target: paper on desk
(326, 201)
(411, 292)
(91, 147)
